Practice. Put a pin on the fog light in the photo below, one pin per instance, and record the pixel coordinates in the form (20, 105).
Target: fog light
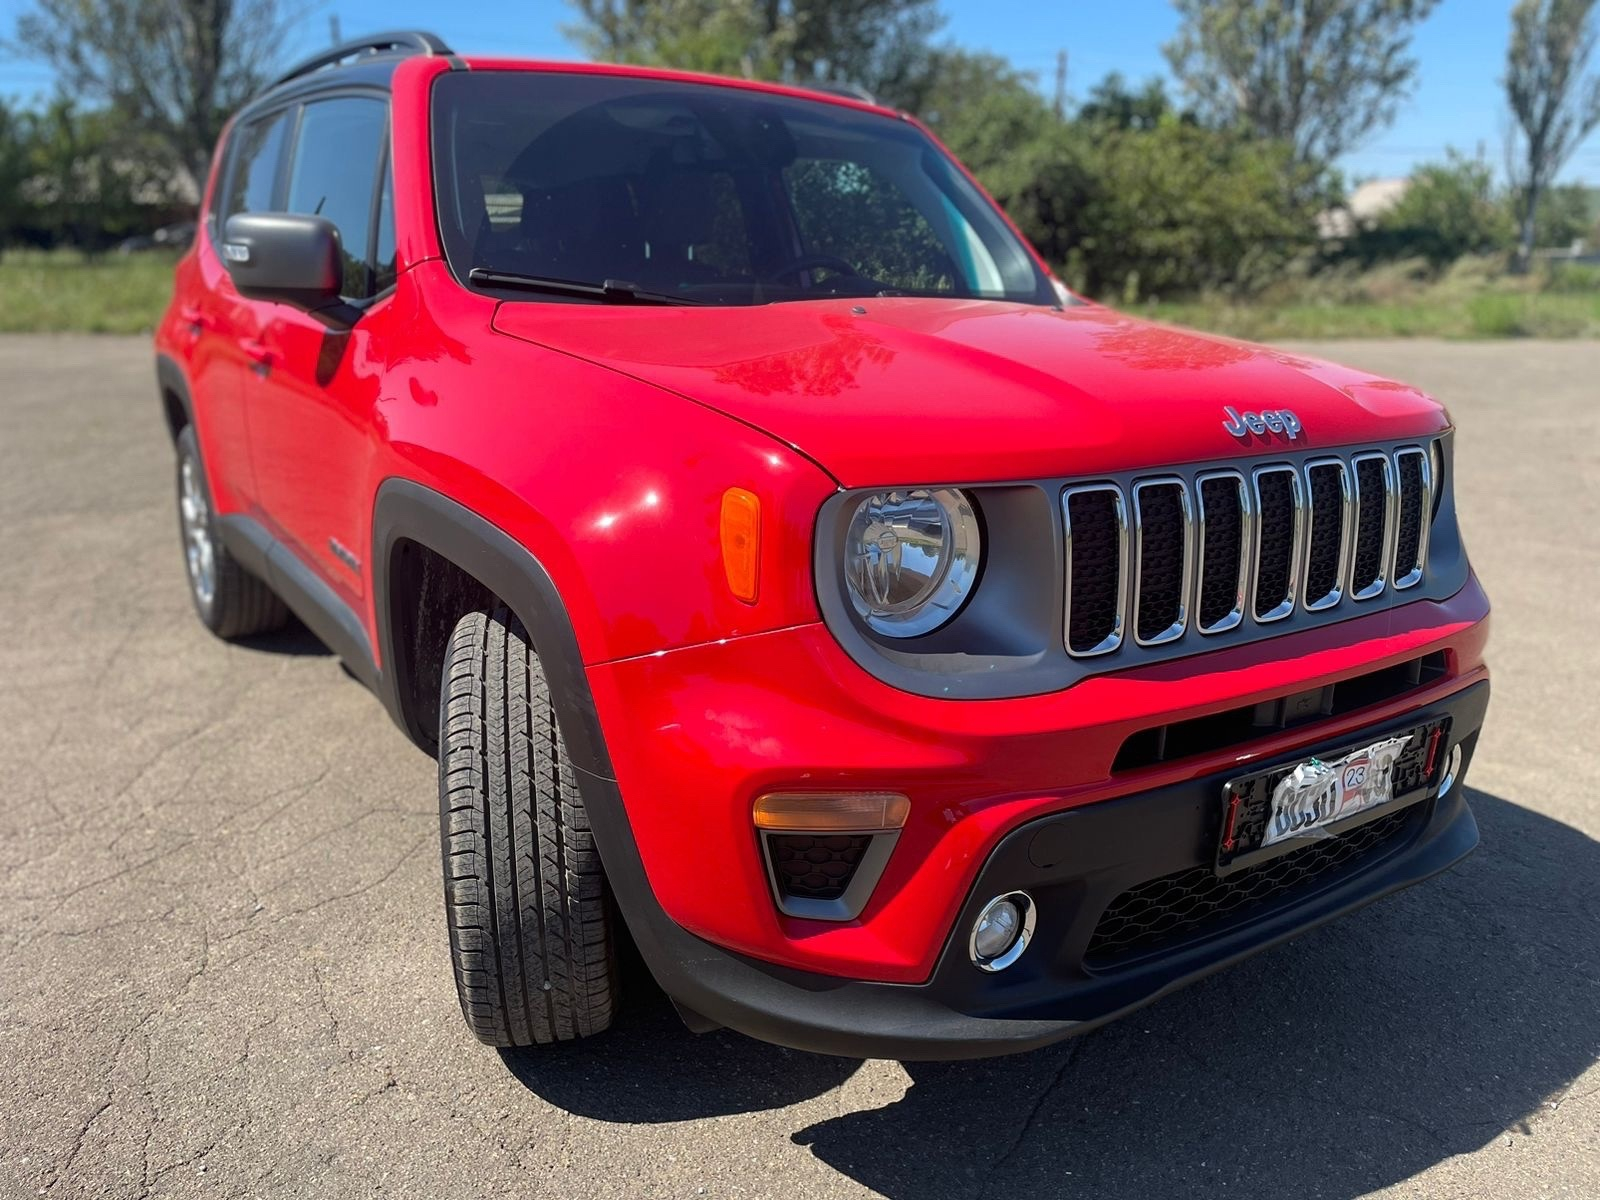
(1002, 931)
(1452, 768)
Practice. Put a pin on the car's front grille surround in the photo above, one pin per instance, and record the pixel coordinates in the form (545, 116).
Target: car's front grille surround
(1223, 550)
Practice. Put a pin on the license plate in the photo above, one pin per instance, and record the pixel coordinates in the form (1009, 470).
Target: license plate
(1270, 812)
(1317, 794)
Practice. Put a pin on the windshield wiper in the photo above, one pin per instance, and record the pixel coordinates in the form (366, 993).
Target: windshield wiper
(612, 291)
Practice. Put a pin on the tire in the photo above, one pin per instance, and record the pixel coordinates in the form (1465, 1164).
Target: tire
(230, 601)
(525, 894)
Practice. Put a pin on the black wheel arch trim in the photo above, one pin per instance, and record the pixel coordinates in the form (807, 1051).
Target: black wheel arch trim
(170, 380)
(408, 511)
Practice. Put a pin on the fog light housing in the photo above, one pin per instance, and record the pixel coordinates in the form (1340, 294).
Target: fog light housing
(1452, 768)
(1002, 931)
(826, 851)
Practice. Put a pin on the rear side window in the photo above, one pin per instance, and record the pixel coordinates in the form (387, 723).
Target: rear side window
(334, 174)
(258, 147)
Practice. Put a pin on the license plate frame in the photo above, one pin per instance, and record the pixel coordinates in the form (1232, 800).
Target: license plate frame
(1247, 800)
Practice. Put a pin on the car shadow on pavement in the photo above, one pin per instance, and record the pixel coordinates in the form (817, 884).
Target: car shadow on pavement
(648, 1068)
(293, 640)
(1426, 1026)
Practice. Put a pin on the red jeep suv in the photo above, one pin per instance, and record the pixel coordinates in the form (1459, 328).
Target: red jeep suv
(789, 573)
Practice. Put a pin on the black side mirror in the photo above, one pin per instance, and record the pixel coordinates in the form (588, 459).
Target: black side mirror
(290, 259)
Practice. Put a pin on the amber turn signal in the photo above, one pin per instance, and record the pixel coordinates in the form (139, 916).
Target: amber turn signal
(831, 812)
(741, 542)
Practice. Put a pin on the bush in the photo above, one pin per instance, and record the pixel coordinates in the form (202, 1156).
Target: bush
(1573, 279)
(1132, 198)
(1449, 210)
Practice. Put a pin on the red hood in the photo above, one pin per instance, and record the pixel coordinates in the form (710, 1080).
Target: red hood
(945, 391)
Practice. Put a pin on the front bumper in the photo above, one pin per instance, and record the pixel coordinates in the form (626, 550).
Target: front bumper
(1074, 863)
(695, 735)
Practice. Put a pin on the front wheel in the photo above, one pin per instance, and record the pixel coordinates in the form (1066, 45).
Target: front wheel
(525, 895)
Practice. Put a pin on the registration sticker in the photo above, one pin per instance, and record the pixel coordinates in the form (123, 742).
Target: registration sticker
(1317, 794)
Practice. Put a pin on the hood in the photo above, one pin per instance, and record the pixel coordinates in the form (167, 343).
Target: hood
(896, 391)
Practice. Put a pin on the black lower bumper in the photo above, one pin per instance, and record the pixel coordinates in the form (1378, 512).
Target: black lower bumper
(1074, 864)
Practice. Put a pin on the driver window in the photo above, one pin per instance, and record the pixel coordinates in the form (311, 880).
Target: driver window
(334, 173)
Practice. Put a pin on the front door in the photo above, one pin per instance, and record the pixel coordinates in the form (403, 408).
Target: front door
(311, 424)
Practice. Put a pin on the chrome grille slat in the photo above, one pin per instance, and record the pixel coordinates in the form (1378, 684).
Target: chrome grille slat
(1280, 530)
(1101, 517)
(1163, 525)
(1224, 526)
(1374, 533)
(1330, 517)
(1413, 473)
(1205, 552)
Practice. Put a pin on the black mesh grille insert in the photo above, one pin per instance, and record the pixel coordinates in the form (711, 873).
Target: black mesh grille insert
(1371, 503)
(1095, 568)
(1327, 531)
(1189, 903)
(1408, 541)
(815, 867)
(1162, 562)
(1275, 490)
(1224, 516)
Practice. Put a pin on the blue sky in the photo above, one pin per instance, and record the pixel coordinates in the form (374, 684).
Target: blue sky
(1458, 100)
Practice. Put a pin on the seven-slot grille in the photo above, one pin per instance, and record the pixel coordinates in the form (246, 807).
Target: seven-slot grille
(1213, 551)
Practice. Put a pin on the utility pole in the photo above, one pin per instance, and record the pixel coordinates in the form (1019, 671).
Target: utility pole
(1061, 85)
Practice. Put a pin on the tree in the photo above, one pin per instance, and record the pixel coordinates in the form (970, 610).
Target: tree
(91, 182)
(995, 121)
(1449, 209)
(1318, 75)
(1553, 107)
(16, 144)
(1113, 102)
(172, 69)
(1182, 208)
(1567, 214)
(878, 44)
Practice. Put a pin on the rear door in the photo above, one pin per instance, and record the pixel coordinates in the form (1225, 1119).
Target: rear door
(311, 426)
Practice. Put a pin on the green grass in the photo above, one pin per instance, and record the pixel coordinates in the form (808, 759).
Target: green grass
(1484, 316)
(63, 292)
(1473, 299)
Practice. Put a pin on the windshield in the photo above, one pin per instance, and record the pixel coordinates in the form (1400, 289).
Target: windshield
(708, 194)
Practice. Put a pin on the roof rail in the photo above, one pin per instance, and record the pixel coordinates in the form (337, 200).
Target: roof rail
(413, 41)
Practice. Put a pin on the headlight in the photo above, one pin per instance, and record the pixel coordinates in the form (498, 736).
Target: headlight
(911, 558)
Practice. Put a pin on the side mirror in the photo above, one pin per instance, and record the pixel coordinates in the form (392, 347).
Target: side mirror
(290, 259)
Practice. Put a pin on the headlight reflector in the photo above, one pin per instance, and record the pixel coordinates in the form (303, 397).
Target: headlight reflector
(911, 558)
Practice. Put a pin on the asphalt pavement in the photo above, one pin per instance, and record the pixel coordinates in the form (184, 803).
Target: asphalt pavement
(223, 965)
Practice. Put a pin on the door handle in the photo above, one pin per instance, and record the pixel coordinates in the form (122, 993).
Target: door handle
(194, 318)
(259, 355)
